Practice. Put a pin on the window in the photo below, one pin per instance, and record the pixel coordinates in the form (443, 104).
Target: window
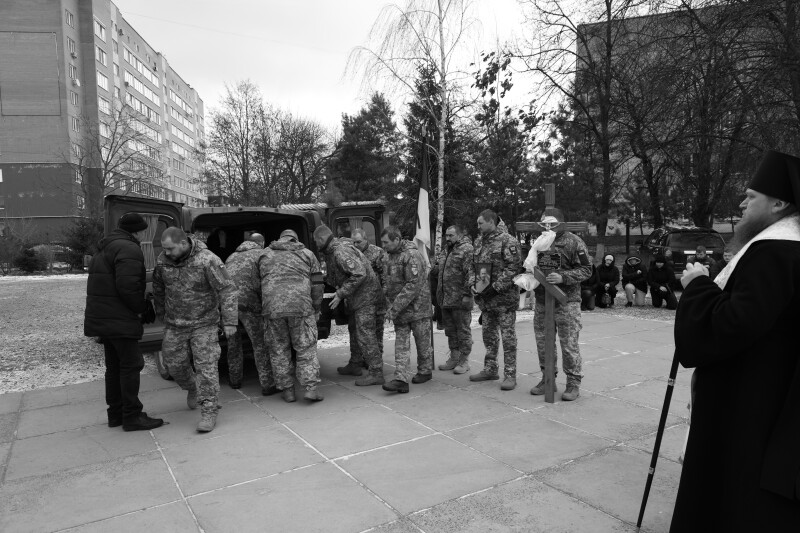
(142, 88)
(71, 45)
(69, 18)
(80, 202)
(73, 72)
(116, 69)
(100, 31)
(73, 97)
(102, 80)
(104, 105)
(100, 55)
(140, 67)
(75, 124)
(105, 130)
(116, 92)
(78, 176)
(116, 47)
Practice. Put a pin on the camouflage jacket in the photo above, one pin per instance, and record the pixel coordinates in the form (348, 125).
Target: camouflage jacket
(407, 288)
(189, 293)
(453, 269)
(569, 257)
(377, 258)
(242, 266)
(351, 274)
(291, 281)
(498, 256)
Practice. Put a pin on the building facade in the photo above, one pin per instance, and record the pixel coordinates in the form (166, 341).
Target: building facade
(70, 69)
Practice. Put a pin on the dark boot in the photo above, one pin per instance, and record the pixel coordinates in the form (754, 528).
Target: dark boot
(313, 395)
(288, 395)
(269, 391)
(350, 369)
(396, 386)
(483, 375)
(421, 378)
(538, 390)
(370, 380)
(142, 423)
(572, 392)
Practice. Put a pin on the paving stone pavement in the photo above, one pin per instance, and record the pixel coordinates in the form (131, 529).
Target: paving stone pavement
(450, 456)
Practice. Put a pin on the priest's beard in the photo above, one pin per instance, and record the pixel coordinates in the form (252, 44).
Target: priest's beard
(746, 229)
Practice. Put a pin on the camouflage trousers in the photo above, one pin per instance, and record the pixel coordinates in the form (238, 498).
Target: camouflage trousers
(459, 334)
(202, 344)
(497, 324)
(300, 333)
(253, 325)
(364, 345)
(568, 326)
(402, 348)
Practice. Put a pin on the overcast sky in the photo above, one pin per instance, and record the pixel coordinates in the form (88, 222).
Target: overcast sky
(295, 50)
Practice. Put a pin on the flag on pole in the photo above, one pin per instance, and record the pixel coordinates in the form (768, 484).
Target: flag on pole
(422, 237)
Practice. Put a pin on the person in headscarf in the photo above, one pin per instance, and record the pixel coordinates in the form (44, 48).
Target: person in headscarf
(741, 469)
(607, 280)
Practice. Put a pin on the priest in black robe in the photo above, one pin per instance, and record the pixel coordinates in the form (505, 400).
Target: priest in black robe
(741, 334)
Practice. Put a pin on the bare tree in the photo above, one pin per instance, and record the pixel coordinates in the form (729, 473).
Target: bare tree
(403, 39)
(117, 151)
(302, 151)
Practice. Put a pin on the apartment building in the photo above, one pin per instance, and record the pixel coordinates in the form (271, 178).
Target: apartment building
(67, 66)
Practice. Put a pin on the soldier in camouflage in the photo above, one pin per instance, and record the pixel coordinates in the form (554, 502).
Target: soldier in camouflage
(453, 269)
(377, 257)
(291, 296)
(242, 266)
(496, 260)
(356, 288)
(191, 285)
(409, 298)
(565, 265)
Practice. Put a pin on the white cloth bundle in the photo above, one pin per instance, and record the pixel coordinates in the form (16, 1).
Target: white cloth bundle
(527, 281)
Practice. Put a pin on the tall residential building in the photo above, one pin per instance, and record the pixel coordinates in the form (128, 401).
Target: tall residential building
(68, 69)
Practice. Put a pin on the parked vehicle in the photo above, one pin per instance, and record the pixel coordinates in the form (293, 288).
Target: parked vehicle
(225, 228)
(682, 242)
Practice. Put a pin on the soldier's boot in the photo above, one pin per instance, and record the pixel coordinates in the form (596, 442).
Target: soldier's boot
(572, 392)
(288, 395)
(483, 375)
(313, 395)
(463, 365)
(396, 386)
(538, 390)
(269, 390)
(234, 383)
(421, 378)
(370, 380)
(509, 383)
(350, 369)
(191, 398)
(451, 362)
(208, 416)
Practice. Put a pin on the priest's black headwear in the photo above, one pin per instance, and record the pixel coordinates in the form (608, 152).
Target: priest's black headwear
(778, 176)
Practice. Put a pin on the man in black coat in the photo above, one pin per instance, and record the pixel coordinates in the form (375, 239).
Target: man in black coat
(659, 279)
(115, 302)
(741, 471)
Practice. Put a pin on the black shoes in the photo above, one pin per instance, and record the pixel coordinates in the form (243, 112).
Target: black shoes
(142, 423)
(420, 378)
(396, 386)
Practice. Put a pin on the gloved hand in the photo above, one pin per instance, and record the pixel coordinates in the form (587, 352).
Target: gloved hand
(488, 292)
(467, 303)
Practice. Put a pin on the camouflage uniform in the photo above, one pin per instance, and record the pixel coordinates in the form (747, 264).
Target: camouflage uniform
(242, 266)
(377, 258)
(453, 269)
(409, 297)
(291, 296)
(357, 286)
(188, 295)
(569, 257)
(501, 252)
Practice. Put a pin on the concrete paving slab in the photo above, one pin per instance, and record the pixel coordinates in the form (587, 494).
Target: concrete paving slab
(404, 525)
(49, 502)
(234, 417)
(640, 364)
(61, 418)
(597, 378)
(624, 344)
(590, 352)
(172, 517)
(528, 442)
(521, 505)
(150, 383)
(452, 409)
(46, 454)
(376, 394)
(338, 400)
(605, 417)
(426, 472)
(236, 458)
(8, 425)
(618, 328)
(10, 402)
(91, 391)
(319, 498)
(671, 442)
(613, 481)
(362, 429)
(651, 394)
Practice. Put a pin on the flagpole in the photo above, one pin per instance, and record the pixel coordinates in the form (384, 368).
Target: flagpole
(422, 224)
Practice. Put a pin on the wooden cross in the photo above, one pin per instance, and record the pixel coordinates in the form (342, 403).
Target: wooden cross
(551, 294)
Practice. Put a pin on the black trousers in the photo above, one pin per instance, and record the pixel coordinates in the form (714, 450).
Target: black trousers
(658, 297)
(587, 299)
(124, 362)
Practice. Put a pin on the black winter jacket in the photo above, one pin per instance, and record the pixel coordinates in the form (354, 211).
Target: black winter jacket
(115, 290)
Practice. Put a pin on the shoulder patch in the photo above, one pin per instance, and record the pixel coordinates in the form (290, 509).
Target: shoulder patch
(350, 263)
(583, 258)
(414, 268)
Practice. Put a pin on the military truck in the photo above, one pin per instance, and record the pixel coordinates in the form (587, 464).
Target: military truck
(225, 228)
